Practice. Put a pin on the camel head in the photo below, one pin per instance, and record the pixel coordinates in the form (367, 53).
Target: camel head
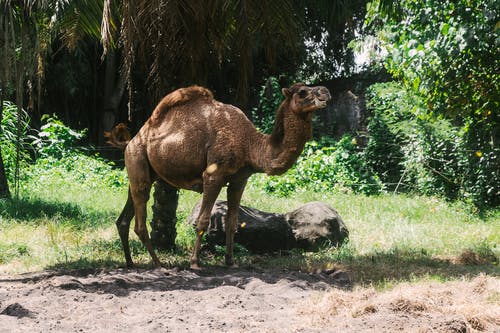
(306, 99)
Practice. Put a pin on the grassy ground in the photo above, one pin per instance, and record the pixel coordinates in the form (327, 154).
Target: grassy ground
(56, 224)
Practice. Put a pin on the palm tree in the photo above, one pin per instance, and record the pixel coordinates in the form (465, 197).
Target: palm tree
(179, 42)
(167, 44)
(22, 42)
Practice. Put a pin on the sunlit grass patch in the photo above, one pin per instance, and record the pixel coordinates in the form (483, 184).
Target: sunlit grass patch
(60, 224)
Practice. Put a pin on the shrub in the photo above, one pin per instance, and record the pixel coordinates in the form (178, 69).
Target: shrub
(88, 171)
(433, 160)
(270, 98)
(9, 137)
(423, 154)
(387, 126)
(58, 157)
(328, 168)
(482, 165)
(56, 139)
(428, 154)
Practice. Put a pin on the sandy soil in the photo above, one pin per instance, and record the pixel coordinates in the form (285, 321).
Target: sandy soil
(238, 300)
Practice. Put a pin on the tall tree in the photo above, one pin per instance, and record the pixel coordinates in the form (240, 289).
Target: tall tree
(22, 43)
(448, 53)
(175, 43)
(225, 44)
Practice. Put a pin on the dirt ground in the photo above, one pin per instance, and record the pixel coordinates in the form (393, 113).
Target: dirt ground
(239, 300)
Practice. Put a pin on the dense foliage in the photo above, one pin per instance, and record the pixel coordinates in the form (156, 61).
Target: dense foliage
(327, 166)
(56, 139)
(409, 153)
(447, 55)
(56, 151)
(448, 52)
(270, 98)
(14, 125)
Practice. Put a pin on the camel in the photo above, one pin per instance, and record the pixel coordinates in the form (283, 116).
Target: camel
(195, 142)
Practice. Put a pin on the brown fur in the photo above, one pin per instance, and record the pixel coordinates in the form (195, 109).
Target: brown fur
(194, 142)
(179, 97)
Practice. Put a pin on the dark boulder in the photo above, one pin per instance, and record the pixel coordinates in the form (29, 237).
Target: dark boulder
(308, 227)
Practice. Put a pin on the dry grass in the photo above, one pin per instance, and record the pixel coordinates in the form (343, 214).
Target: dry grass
(471, 257)
(473, 305)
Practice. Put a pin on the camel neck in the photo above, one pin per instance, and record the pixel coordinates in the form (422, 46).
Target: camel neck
(276, 153)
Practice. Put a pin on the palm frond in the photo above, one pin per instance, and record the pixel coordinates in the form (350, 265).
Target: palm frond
(110, 25)
(78, 19)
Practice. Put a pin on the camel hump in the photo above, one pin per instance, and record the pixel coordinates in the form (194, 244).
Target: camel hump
(119, 136)
(179, 97)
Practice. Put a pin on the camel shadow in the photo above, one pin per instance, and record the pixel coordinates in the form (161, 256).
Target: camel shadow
(380, 269)
(393, 266)
(121, 282)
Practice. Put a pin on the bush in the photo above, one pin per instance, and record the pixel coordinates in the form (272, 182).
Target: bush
(420, 154)
(58, 157)
(387, 126)
(9, 137)
(482, 165)
(56, 139)
(327, 168)
(426, 154)
(88, 171)
(270, 98)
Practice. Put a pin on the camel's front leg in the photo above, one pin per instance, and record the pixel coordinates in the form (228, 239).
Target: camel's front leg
(211, 189)
(234, 193)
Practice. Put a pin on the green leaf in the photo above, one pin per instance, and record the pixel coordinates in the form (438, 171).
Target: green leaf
(445, 27)
(416, 83)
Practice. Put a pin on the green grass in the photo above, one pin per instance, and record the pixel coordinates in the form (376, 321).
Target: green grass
(58, 224)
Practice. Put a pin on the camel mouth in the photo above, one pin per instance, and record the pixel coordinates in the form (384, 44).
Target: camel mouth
(320, 103)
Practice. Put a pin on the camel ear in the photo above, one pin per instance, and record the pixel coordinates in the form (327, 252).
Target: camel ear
(286, 92)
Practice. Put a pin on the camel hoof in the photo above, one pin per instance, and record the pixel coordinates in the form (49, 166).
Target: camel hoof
(195, 267)
(162, 269)
(195, 264)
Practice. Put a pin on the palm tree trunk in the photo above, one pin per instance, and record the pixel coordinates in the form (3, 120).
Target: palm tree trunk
(4, 185)
(114, 88)
(163, 224)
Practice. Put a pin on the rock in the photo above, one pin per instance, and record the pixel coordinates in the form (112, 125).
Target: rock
(316, 224)
(308, 227)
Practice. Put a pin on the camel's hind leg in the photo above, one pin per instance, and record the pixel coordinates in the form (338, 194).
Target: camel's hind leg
(141, 231)
(123, 225)
(140, 186)
(234, 193)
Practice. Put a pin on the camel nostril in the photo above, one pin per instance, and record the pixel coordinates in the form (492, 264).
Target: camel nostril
(323, 94)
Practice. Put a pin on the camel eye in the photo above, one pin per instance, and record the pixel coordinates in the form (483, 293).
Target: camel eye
(302, 93)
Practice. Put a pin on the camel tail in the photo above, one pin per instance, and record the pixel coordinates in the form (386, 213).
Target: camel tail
(118, 137)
